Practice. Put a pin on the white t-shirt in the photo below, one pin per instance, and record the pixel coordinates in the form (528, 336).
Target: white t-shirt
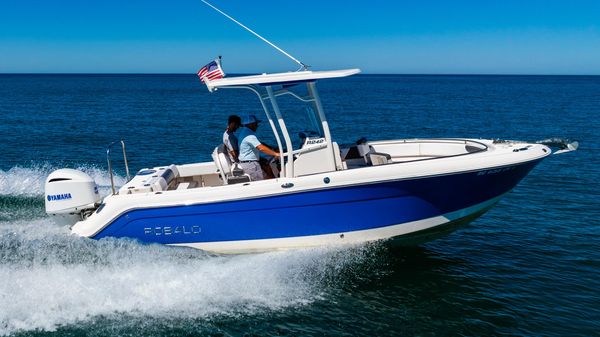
(230, 141)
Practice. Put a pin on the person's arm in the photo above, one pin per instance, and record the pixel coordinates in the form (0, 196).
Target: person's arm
(230, 148)
(266, 150)
(274, 148)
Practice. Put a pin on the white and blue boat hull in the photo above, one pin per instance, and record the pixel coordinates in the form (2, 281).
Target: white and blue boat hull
(360, 212)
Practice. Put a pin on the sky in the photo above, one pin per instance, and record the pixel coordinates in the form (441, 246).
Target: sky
(396, 37)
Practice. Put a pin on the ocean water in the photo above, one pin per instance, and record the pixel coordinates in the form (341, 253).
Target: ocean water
(531, 266)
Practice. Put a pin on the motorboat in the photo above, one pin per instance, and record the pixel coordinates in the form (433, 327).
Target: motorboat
(408, 191)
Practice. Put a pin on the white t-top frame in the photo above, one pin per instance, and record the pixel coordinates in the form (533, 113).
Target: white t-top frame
(255, 84)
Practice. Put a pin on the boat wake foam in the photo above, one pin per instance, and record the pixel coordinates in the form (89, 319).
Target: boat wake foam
(53, 279)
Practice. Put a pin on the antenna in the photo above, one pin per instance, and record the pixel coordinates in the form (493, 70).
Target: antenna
(302, 65)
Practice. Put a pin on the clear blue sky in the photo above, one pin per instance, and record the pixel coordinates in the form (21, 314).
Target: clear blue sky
(492, 37)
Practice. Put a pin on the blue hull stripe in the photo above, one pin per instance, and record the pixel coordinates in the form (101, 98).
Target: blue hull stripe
(336, 210)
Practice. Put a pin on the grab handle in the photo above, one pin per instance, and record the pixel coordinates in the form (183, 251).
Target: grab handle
(110, 170)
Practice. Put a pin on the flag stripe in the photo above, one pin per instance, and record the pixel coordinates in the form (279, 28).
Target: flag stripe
(211, 71)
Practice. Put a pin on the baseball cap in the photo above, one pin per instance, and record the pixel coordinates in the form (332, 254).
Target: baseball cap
(249, 119)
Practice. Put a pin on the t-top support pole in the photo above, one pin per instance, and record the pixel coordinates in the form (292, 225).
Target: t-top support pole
(289, 167)
(312, 90)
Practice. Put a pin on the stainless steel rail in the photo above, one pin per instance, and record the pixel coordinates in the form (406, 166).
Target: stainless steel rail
(110, 170)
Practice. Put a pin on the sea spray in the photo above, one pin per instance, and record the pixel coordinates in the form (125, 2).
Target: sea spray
(52, 278)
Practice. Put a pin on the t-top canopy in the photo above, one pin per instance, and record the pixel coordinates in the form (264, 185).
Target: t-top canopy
(279, 78)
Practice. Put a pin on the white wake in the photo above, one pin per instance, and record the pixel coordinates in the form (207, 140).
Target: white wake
(51, 278)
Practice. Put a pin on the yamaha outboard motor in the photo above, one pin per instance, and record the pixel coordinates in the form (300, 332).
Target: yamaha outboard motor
(71, 195)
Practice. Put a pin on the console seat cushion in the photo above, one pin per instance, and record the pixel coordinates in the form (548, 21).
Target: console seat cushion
(186, 185)
(151, 180)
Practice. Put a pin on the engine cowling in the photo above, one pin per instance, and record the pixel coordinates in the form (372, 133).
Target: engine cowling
(70, 192)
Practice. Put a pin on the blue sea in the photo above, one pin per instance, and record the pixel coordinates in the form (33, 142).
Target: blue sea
(530, 266)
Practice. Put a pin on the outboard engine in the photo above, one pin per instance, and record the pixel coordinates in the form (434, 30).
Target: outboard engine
(70, 194)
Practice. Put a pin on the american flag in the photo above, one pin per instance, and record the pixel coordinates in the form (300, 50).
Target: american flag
(211, 71)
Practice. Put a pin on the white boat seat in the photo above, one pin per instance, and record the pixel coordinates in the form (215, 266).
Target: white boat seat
(157, 180)
(378, 158)
(371, 156)
(230, 172)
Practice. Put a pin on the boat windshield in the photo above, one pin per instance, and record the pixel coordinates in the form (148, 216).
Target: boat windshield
(301, 119)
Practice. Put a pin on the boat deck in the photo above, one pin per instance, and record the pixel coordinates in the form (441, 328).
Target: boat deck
(199, 175)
